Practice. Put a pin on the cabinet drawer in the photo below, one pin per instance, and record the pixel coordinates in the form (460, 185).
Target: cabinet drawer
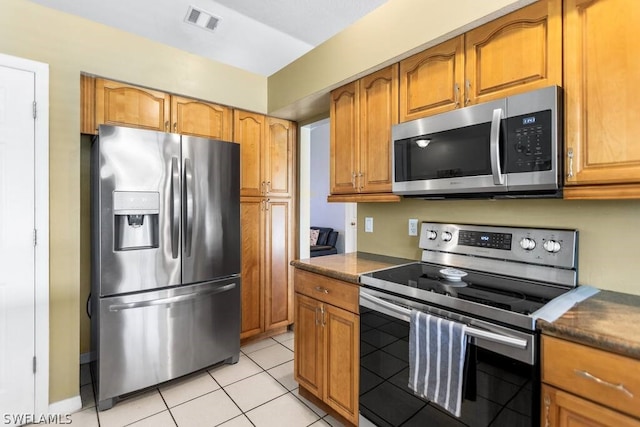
(603, 377)
(335, 292)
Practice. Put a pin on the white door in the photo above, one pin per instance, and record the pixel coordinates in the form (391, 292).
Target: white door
(17, 252)
(350, 227)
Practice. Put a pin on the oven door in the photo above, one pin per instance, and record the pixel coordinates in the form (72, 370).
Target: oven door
(460, 151)
(499, 390)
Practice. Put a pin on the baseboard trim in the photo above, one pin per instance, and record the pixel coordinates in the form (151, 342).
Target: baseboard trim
(67, 406)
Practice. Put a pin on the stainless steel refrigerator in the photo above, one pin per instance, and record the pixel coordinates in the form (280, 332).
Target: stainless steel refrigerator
(165, 257)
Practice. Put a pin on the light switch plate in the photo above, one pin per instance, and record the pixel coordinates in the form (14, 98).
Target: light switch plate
(368, 225)
(413, 227)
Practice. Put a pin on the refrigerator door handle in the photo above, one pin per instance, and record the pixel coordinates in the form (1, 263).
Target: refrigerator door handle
(188, 203)
(171, 300)
(175, 208)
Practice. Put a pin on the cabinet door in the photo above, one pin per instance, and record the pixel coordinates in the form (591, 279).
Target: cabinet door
(199, 118)
(342, 363)
(248, 131)
(516, 53)
(379, 111)
(601, 64)
(278, 157)
(563, 409)
(344, 128)
(432, 81)
(309, 351)
(125, 105)
(278, 254)
(251, 222)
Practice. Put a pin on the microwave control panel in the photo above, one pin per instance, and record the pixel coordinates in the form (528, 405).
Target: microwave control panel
(529, 142)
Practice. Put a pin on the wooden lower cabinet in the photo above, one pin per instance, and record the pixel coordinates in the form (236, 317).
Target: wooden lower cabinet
(327, 340)
(587, 386)
(562, 409)
(267, 249)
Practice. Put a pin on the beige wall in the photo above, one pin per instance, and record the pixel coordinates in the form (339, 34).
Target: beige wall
(608, 230)
(72, 45)
(393, 31)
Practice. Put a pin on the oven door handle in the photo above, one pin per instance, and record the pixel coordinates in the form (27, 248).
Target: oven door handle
(402, 313)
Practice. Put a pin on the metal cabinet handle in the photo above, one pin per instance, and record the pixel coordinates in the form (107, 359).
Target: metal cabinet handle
(321, 289)
(175, 126)
(570, 156)
(262, 190)
(547, 405)
(353, 179)
(619, 387)
(456, 88)
(324, 323)
(268, 186)
(189, 206)
(316, 315)
(166, 126)
(266, 204)
(467, 90)
(175, 208)
(360, 175)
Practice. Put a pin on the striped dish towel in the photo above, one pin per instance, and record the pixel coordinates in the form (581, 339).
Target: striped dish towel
(436, 360)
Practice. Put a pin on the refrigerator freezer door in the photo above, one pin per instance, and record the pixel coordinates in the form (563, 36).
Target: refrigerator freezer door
(136, 221)
(151, 337)
(210, 209)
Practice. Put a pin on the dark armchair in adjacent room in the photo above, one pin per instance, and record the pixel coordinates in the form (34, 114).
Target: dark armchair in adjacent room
(323, 241)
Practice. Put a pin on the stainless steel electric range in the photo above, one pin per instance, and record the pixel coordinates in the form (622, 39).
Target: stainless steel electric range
(493, 279)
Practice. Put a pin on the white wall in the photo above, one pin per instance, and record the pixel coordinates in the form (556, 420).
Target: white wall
(323, 214)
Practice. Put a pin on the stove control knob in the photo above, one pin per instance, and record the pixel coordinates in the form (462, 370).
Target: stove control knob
(552, 246)
(431, 235)
(527, 244)
(446, 236)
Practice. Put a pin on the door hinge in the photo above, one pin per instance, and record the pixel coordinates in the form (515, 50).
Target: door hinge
(35, 109)
(34, 364)
(35, 237)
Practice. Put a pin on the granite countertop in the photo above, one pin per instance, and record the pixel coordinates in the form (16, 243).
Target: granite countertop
(348, 267)
(607, 320)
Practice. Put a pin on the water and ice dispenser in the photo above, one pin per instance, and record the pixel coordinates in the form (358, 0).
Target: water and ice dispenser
(135, 215)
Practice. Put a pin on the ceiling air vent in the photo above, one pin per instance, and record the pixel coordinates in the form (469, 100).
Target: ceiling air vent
(201, 19)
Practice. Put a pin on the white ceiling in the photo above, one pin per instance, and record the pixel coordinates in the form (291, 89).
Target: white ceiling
(260, 36)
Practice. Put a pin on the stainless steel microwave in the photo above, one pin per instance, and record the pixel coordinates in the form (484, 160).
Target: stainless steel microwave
(510, 147)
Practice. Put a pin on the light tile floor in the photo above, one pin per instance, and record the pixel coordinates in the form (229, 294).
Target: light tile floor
(257, 391)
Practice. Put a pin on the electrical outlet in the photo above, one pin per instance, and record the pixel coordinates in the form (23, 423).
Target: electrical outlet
(413, 227)
(368, 225)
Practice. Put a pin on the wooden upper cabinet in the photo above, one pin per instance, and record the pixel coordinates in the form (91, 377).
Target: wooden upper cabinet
(378, 112)
(362, 113)
(432, 81)
(248, 131)
(126, 105)
(198, 118)
(278, 157)
(601, 107)
(344, 135)
(88, 105)
(519, 52)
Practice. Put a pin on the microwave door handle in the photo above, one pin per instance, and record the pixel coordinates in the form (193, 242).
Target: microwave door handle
(494, 141)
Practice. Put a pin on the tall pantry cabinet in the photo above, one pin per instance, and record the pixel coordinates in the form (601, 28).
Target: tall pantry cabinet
(267, 153)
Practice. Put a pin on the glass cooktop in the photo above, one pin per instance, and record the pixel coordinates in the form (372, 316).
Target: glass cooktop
(503, 292)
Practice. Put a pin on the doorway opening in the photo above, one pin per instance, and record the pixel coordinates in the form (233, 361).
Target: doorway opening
(314, 188)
